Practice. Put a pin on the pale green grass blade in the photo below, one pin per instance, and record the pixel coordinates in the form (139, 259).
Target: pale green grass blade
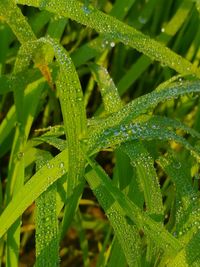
(118, 31)
(13, 16)
(189, 256)
(47, 237)
(69, 91)
(110, 96)
(32, 189)
(16, 168)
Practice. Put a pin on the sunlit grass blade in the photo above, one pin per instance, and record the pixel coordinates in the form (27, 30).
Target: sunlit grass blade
(13, 16)
(110, 96)
(38, 183)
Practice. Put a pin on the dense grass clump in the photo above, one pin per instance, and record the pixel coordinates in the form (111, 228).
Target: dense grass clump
(99, 133)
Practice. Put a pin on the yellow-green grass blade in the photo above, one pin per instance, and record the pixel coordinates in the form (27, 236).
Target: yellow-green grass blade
(16, 169)
(109, 93)
(13, 16)
(38, 183)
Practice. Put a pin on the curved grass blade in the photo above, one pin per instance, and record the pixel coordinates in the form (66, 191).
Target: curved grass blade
(110, 96)
(167, 122)
(189, 256)
(70, 95)
(13, 16)
(116, 135)
(148, 102)
(117, 31)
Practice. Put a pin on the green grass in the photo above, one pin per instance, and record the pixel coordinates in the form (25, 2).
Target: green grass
(99, 133)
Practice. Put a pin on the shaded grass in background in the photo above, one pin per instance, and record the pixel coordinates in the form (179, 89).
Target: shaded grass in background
(68, 93)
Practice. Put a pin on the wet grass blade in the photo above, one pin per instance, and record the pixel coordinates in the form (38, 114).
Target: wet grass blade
(47, 236)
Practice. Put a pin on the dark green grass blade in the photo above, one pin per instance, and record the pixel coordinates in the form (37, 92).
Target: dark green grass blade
(100, 184)
(117, 257)
(123, 230)
(118, 31)
(47, 237)
(148, 102)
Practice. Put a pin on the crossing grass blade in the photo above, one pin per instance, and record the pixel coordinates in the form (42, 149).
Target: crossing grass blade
(117, 31)
(99, 181)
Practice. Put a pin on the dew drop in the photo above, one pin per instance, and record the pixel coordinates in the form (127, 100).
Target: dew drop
(142, 20)
(86, 10)
(112, 44)
(177, 165)
(62, 165)
(20, 155)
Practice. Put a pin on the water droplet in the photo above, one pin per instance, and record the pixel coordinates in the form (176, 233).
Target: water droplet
(163, 30)
(112, 44)
(177, 165)
(62, 165)
(86, 10)
(20, 155)
(142, 20)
